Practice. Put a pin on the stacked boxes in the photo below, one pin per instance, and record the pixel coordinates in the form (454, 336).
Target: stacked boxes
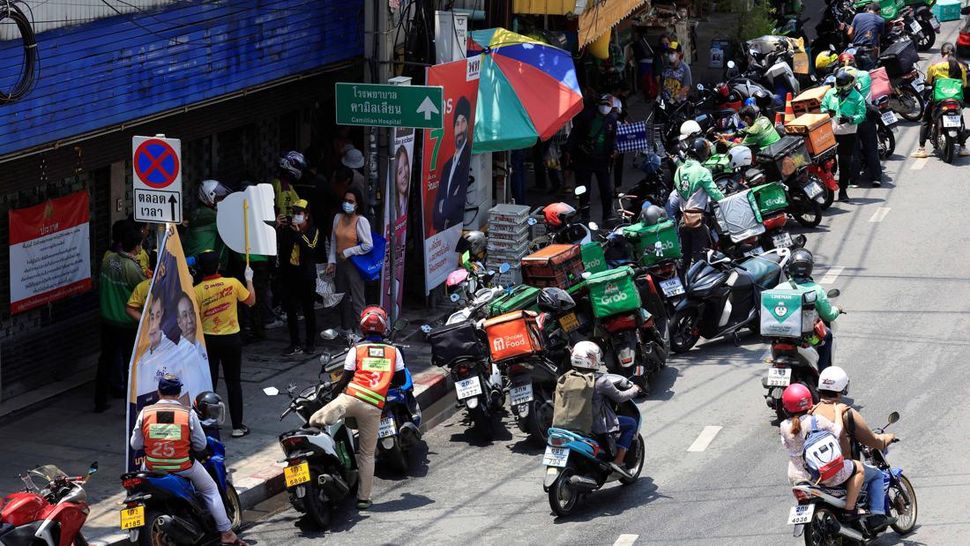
(508, 240)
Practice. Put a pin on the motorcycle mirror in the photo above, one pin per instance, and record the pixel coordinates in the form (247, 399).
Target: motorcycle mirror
(93, 468)
(504, 268)
(329, 334)
(426, 328)
(580, 190)
(700, 87)
(833, 293)
(325, 359)
(290, 389)
(731, 64)
(454, 297)
(593, 226)
(893, 417)
(532, 221)
(271, 391)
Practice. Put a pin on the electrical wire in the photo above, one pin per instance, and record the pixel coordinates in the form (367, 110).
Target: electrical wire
(28, 72)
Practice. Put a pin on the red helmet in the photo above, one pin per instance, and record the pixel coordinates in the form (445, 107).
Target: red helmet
(723, 89)
(797, 398)
(373, 320)
(557, 213)
(847, 59)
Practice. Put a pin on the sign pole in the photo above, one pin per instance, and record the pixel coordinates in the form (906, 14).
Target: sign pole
(246, 228)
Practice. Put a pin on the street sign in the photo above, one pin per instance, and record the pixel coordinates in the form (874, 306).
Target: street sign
(156, 164)
(384, 105)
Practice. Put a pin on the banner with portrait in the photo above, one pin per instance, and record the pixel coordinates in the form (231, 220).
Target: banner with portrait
(446, 162)
(398, 192)
(169, 339)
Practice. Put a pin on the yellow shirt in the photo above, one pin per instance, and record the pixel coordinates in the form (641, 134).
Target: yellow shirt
(942, 70)
(139, 295)
(217, 296)
(284, 198)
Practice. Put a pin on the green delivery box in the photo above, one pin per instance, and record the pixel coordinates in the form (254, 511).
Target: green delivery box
(781, 313)
(613, 292)
(768, 198)
(654, 244)
(522, 297)
(594, 259)
(947, 88)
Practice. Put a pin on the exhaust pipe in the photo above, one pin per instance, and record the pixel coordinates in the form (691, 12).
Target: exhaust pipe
(333, 486)
(850, 533)
(179, 530)
(582, 483)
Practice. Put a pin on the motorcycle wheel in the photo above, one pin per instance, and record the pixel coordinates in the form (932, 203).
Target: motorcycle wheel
(807, 212)
(563, 497)
(482, 423)
(903, 495)
(682, 331)
(396, 458)
(927, 36)
(829, 198)
(908, 104)
(317, 508)
(947, 149)
(233, 507)
(541, 416)
(151, 534)
(637, 452)
(886, 141)
(817, 531)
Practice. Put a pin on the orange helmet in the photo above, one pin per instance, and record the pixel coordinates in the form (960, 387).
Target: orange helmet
(373, 320)
(557, 214)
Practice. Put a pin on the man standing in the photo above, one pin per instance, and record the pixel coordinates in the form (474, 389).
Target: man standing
(868, 138)
(693, 189)
(847, 108)
(591, 150)
(449, 204)
(299, 240)
(291, 167)
(866, 30)
(676, 79)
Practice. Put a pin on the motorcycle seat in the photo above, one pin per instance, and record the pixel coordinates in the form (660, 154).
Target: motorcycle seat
(837, 492)
(763, 269)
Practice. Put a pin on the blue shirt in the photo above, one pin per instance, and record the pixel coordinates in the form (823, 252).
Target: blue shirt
(868, 28)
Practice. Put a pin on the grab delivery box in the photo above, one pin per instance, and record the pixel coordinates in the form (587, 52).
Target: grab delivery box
(781, 313)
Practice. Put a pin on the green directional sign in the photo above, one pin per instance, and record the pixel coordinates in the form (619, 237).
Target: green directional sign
(384, 105)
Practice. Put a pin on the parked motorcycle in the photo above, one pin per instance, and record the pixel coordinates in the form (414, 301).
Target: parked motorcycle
(947, 128)
(49, 515)
(885, 127)
(578, 464)
(820, 513)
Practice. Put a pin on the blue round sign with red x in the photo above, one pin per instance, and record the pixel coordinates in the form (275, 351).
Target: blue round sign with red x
(156, 163)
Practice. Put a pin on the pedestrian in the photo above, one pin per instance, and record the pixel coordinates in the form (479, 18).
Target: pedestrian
(353, 159)
(351, 236)
(848, 109)
(676, 80)
(299, 245)
(867, 136)
(591, 151)
(644, 57)
(218, 297)
(291, 167)
(866, 31)
(120, 274)
(948, 67)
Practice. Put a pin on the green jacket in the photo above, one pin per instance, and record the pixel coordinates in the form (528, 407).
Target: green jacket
(762, 133)
(120, 274)
(826, 310)
(852, 106)
(863, 81)
(692, 177)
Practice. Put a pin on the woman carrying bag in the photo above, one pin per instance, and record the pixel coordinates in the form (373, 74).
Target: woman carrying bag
(350, 236)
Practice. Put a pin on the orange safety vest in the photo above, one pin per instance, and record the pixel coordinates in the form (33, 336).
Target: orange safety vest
(168, 438)
(375, 369)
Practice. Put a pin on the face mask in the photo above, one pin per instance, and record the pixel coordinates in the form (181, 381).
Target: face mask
(349, 207)
(298, 219)
(604, 109)
(673, 57)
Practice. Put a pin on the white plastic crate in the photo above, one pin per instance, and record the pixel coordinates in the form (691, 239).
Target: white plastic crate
(522, 234)
(507, 246)
(508, 214)
(511, 277)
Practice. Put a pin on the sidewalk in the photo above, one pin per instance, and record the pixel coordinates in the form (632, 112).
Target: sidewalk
(66, 433)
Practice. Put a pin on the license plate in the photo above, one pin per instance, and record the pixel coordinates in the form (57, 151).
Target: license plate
(782, 240)
(672, 287)
(915, 27)
(555, 456)
(951, 121)
(569, 322)
(813, 190)
(889, 118)
(756, 251)
(935, 23)
(779, 377)
(387, 428)
(133, 517)
(466, 388)
(520, 395)
(801, 514)
(296, 474)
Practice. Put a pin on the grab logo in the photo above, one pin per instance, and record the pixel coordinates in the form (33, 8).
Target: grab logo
(659, 247)
(612, 294)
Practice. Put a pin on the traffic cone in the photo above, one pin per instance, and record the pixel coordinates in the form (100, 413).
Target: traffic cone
(789, 112)
(779, 118)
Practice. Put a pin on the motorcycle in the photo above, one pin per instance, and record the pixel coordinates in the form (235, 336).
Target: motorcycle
(947, 128)
(907, 96)
(578, 464)
(885, 126)
(820, 512)
(163, 508)
(823, 168)
(51, 515)
(722, 296)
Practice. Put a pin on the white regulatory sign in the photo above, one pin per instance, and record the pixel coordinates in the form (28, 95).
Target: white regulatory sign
(156, 173)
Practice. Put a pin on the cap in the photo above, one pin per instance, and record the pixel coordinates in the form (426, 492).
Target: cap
(353, 158)
(300, 204)
(170, 385)
(675, 46)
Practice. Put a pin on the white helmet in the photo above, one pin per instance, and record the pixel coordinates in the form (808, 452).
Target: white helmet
(211, 192)
(834, 379)
(740, 157)
(586, 355)
(688, 129)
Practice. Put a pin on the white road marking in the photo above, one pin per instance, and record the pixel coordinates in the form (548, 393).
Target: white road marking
(626, 540)
(831, 275)
(706, 437)
(919, 164)
(880, 214)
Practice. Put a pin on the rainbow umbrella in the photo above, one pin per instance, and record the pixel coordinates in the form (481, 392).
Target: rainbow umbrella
(527, 90)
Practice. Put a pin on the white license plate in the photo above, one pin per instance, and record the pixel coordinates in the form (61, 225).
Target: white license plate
(935, 23)
(672, 287)
(387, 428)
(919, 86)
(813, 190)
(778, 377)
(801, 514)
(951, 121)
(466, 388)
(520, 395)
(756, 251)
(889, 118)
(914, 26)
(782, 240)
(555, 456)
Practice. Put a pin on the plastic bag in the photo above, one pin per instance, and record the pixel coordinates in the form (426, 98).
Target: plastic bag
(326, 288)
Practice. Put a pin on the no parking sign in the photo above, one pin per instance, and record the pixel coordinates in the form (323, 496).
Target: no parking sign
(156, 164)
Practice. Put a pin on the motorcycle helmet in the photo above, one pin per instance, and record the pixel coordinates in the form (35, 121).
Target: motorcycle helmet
(751, 112)
(211, 192)
(586, 355)
(700, 149)
(762, 98)
(555, 300)
(750, 102)
(833, 379)
(825, 59)
(689, 129)
(796, 398)
(723, 89)
(652, 215)
(294, 164)
(210, 409)
(373, 320)
(847, 59)
(474, 242)
(844, 80)
(740, 157)
(558, 214)
(801, 264)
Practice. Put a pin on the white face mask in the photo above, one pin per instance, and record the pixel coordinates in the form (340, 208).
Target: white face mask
(604, 109)
(298, 219)
(673, 57)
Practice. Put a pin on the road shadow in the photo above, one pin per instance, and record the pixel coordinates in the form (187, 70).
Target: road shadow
(528, 446)
(661, 384)
(612, 500)
(417, 458)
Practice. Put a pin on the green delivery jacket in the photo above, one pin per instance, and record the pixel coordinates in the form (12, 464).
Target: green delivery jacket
(852, 106)
(826, 311)
(762, 133)
(863, 81)
(692, 177)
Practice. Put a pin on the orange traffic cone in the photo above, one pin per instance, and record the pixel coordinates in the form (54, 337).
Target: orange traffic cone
(779, 118)
(789, 112)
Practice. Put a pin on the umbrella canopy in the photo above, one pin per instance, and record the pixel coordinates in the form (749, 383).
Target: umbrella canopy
(527, 90)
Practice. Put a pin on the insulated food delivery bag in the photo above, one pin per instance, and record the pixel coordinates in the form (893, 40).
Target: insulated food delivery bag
(781, 313)
(613, 292)
(656, 243)
(455, 342)
(513, 335)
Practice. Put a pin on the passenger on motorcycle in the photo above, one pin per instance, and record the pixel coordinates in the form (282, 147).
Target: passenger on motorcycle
(371, 368)
(847, 108)
(948, 67)
(832, 384)
(169, 432)
(866, 31)
(587, 356)
(693, 189)
(800, 268)
(759, 131)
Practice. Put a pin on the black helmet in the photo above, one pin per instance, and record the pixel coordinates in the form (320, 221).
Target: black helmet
(210, 409)
(762, 98)
(700, 149)
(844, 79)
(652, 215)
(555, 300)
(801, 264)
(751, 111)
(475, 242)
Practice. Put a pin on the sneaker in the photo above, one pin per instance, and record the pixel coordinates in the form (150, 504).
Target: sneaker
(293, 350)
(878, 522)
(240, 432)
(920, 153)
(277, 323)
(843, 196)
(364, 504)
(876, 183)
(620, 470)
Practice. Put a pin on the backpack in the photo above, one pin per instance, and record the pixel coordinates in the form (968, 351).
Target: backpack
(822, 453)
(573, 402)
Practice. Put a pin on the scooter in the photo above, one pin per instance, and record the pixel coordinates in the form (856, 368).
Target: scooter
(947, 128)
(51, 515)
(820, 512)
(722, 296)
(578, 464)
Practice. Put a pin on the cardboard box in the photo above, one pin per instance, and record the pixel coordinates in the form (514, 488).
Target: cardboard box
(810, 101)
(817, 130)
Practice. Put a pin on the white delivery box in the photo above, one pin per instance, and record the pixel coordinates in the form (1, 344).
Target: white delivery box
(736, 217)
(781, 313)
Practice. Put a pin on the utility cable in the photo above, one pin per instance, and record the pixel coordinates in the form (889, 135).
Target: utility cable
(29, 69)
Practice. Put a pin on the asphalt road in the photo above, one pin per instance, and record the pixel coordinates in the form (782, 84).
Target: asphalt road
(900, 253)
